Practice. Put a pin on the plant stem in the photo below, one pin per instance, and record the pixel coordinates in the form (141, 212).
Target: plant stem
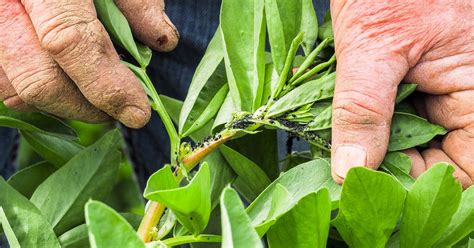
(155, 210)
(159, 107)
(207, 238)
(150, 220)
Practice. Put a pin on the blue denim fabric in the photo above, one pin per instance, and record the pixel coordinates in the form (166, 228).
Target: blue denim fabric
(7, 147)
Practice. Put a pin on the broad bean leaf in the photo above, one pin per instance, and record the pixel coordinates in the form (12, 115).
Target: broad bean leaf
(55, 150)
(89, 174)
(325, 30)
(282, 19)
(309, 25)
(248, 173)
(78, 236)
(35, 122)
(404, 90)
(8, 231)
(305, 225)
(191, 204)
(310, 92)
(322, 120)
(29, 226)
(244, 51)
(299, 182)
(409, 131)
(399, 165)
(431, 203)
(225, 112)
(207, 91)
(271, 82)
(108, 229)
(253, 146)
(237, 230)
(118, 28)
(28, 179)
(462, 222)
(370, 206)
(221, 175)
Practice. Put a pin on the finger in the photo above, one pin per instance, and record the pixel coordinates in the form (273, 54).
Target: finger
(9, 96)
(150, 24)
(34, 75)
(366, 85)
(433, 156)
(458, 145)
(417, 162)
(453, 111)
(75, 38)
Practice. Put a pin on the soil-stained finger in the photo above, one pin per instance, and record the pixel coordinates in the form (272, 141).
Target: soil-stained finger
(34, 75)
(150, 24)
(9, 96)
(77, 41)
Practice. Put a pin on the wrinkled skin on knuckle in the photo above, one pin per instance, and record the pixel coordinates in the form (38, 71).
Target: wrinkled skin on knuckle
(404, 27)
(64, 40)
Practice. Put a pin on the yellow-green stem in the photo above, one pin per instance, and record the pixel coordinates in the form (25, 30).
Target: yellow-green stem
(155, 210)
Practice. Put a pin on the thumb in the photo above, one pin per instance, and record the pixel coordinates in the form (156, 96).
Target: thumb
(366, 87)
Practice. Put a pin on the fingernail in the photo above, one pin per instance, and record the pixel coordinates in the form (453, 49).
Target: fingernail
(134, 117)
(348, 156)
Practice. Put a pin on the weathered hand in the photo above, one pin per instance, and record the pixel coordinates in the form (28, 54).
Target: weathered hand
(57, 57)
(379, 44)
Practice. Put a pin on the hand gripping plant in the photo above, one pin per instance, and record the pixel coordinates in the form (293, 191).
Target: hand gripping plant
(239, 96)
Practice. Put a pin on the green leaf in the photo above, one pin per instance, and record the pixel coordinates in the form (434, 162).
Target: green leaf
(55, 150)
(399, 165)
(8, 231)
(409, 131)
(90, 174)
(26, 221)
(322, 120)
(244, 51)
(191, 204)
(299, 181)
(108, 229)
(211, 109)
(283, 22)
(305, 225)
(35, 122)
(310, 92)
(309, 25)
(225, 112)
(248, 173)
(119, 30)
(207, 91)
(370, 206)
(221, 175)
(78, 236)
(404, 90)
(462, 222)
(431, 202)
(237, 231)
(325, 30)
(253, 146)
(28, 179)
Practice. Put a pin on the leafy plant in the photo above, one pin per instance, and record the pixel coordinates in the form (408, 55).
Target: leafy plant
(240, 196)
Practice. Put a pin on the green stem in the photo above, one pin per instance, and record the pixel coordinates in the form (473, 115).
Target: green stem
(203, 238)
(159, 107)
